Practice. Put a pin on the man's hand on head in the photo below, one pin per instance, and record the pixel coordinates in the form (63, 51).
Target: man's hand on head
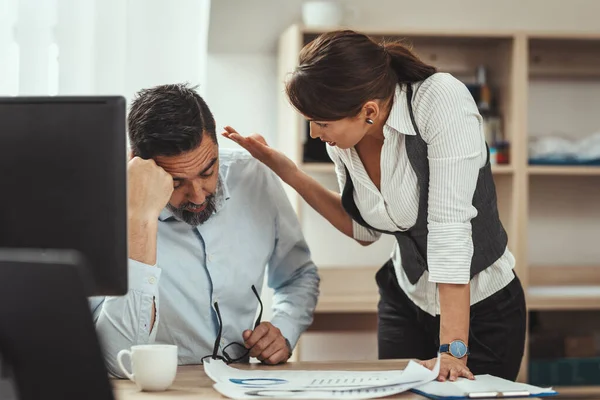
(149, 189)
(149, 186)
(267, 344)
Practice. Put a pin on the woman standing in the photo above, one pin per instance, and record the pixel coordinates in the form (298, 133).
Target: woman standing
(411, 161)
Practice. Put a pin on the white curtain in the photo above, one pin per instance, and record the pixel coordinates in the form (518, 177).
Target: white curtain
(84, 47)
(9, 50)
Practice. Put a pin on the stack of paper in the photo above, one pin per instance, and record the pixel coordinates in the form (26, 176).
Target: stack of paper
(240, 384)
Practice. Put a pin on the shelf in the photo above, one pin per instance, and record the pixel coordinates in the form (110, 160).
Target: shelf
(564, 58)
(474, 35)
(501, 169)
(564, 275)
(563, 170)
(323, 167)
(353, 289)
(348, 304)
(564, 288)
(578, 391)
(348, 290)
(563, 36)
(538, 298)
(555, 298)
(575, 73)
(318, 167)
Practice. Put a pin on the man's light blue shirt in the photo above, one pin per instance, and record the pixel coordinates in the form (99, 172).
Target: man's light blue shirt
(253, 231)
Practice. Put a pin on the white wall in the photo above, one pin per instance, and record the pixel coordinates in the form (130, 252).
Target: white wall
(166, 43)
(241, 91)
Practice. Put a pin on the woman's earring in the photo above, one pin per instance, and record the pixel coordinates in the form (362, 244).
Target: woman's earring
(369, 121)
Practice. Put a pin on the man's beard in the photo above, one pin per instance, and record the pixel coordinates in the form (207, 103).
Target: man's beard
(193, 218)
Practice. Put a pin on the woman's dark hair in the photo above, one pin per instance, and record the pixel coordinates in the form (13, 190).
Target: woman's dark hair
(340, 71)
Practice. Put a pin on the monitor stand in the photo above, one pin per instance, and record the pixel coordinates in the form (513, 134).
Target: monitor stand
(7, 381)
(47, 335)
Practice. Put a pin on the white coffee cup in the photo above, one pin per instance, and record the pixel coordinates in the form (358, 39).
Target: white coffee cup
(153, 366)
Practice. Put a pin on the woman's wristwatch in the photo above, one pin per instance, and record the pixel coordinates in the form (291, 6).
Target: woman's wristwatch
(456, 348)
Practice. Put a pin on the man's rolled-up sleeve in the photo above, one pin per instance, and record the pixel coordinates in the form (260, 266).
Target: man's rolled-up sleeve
(125, 321)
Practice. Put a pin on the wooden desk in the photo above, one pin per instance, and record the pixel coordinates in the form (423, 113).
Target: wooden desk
(192, 383)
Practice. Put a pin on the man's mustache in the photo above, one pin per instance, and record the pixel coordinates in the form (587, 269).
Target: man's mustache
(189, 203)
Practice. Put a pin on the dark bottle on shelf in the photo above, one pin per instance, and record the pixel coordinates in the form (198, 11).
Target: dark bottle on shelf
(485, 94)
(492, 121)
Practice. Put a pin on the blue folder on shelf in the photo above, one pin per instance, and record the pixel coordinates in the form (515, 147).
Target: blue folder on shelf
(483, 387)
(565, 162)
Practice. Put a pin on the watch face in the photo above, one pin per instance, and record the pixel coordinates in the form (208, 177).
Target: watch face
(458, 349)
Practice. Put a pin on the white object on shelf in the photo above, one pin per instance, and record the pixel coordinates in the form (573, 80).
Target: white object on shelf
(565, 291)
(326, 13)
(560, 147)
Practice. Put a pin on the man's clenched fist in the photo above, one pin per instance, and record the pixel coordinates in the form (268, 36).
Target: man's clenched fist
(267, 344)
(149, 188)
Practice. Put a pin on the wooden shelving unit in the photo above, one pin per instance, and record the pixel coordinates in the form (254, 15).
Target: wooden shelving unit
(554, 288)
(550, 288)
(563, 96)
(329, 168)
(318, 167)
(502, 169)
(357, 294)
(515, 60)
(556, 298)
(569, 170)
(569, 57)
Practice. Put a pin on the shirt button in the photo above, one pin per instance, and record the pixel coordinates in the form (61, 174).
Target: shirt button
(209, 257)
(152, 280)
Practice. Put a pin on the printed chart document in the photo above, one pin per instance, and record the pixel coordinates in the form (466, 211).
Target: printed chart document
(287, 384)
(483, 387)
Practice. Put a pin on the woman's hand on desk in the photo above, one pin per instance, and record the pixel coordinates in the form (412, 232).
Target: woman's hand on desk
(451, 368)
(267, 344)
(258, 147)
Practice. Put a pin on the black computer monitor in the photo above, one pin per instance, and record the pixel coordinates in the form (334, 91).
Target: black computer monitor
(63, 237)
(63, 181)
